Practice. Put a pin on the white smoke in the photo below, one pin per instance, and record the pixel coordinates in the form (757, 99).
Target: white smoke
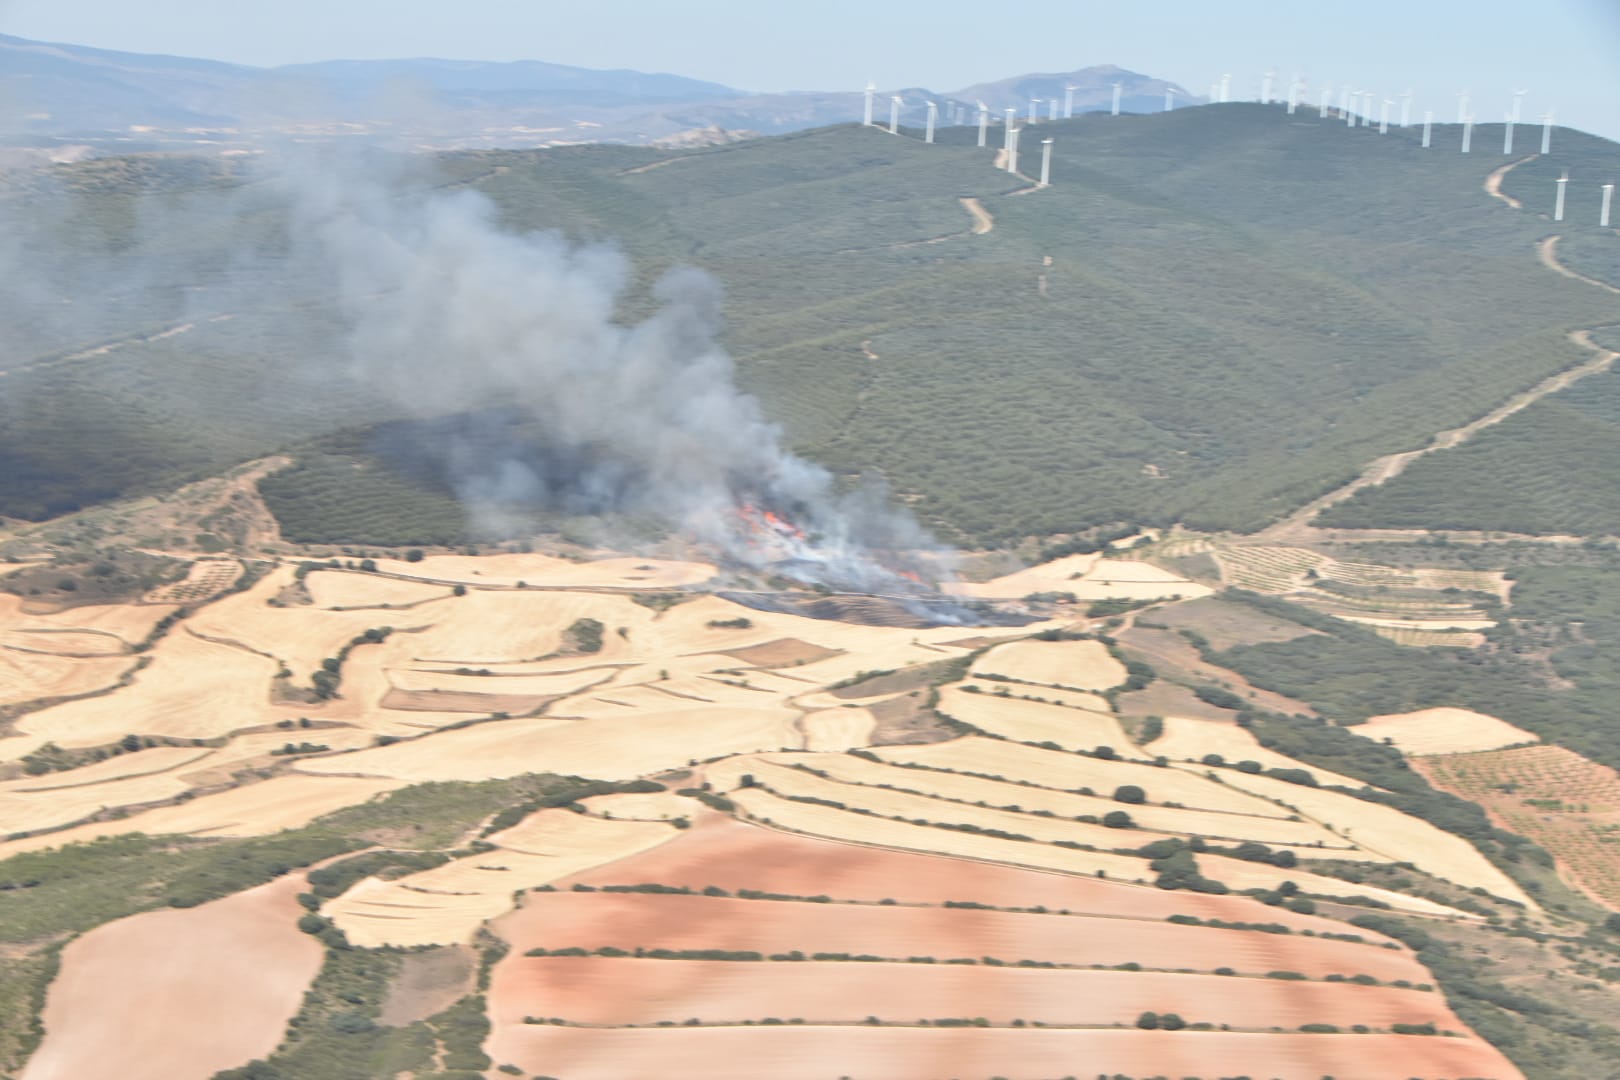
(450, 313)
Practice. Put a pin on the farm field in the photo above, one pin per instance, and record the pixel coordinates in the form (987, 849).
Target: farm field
(1074, 665)
(1443, 731)
(235, 969)
(1562, 801)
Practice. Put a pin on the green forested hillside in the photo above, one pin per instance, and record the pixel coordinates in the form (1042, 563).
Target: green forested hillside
(1211, 316)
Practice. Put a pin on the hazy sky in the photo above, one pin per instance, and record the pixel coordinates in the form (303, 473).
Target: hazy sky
(1566, 53)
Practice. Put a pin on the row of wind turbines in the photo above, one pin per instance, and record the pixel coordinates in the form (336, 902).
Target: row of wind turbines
(1355, 107)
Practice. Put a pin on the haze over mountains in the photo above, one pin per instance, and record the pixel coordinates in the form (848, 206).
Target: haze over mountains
(55, 95)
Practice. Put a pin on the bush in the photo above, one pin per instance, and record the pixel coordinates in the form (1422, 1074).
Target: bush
(1118, 819)
(1148, 1021)
(1130, 793)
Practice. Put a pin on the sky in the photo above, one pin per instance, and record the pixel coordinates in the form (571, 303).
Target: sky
(1564, 53)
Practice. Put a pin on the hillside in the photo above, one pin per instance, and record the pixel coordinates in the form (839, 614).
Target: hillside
(1212, 316)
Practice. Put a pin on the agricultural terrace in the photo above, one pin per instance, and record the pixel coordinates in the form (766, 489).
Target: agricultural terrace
(1443, 731)
(1562, 801)
(731, 931)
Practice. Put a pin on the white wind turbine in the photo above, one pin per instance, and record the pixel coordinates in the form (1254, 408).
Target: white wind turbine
(1169, 98)
(1518, 100)
(933, 117)
(1046, 163)
(1051, 108)
(1546, 132)
(1428, 127)
(1068, 100)
(1012, 154)
(1468, 134)
(1008, 136)
(1383, 117)
(1226, 88)
(1558, 207)
(1608, 197)
(1507, 133)
(1326, 101)
(894, 115)
(1116, 98)
(1034, 108)
(1406, 108)
(870, 90)
(984, 123)
(1265, 86)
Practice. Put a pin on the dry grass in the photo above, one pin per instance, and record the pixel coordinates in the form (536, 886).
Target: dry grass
(349, 589)
(1188, 740)
(1076, 665)
(1443, 731)
(1033, 721)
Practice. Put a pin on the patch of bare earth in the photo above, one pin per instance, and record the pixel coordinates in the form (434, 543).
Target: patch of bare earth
(429, 982)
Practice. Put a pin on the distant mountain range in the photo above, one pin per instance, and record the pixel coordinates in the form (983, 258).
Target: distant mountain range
(61, 101)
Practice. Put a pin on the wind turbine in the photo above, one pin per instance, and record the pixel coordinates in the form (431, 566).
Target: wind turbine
(1367, 100)
(1558, 207)
(1344, 100)
(1383, 117)
(1034, 108)
(1518, 99)
(1068, 100)
(1354, 97)
(984, 122)
(1293, 95)
(1468, 133)
(1169, 99)
(870, 90)
(1326, 102)
(1608, 197)
(1265, 86)
(894, 115)
(1226, 88)
(1012, 155)
(933, 116)
(1008, 135)
(1116, 98)
(1406, 108)
(1428, 127)
(1462, 106)
(1546, 132)
(1051, 108)
(1046, 163)
(1507, 133)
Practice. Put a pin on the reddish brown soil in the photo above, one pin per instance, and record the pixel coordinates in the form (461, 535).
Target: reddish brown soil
(620, 991)
(783, 652)
(177, 994)
(732, 855)
(811, 1053)
(628, 920)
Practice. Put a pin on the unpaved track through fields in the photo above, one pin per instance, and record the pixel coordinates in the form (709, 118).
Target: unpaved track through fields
(982, 221)
(1493, 182)
(1547, 252)
(1296, 527)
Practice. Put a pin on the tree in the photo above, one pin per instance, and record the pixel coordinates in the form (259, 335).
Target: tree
(1130, 793)
(1118, 819)
(1171, 1022)
(1148, 1021)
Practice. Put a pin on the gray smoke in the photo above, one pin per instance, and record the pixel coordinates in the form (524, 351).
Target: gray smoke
(450, 313)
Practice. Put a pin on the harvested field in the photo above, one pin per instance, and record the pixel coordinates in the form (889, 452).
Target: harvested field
(1562, 801)
(27, 675)
(26, 811)
(1032, 721)
(129, 622)
(1053, 576)
(1064, 804)
(619, 991)
(68, 643)
(156, 759)
(1069, 772)
(191, 689)
(447, 904)
(1086, 577)
(903, 805)
(899, 1053)
(561, 920)
(1163, 699)
(783, 652)
(1385, 831)
(1443, 731)
(507, 570)
(1077, 665)
(619, 748)
(642, 806)
(349, 589)
(495, 681)
(216, 985)
(429, 982)
(1050, 695)
(733, 855)
(1189, 740)
(832, 730)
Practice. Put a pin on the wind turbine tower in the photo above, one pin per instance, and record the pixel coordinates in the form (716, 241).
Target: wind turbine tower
(870, 90)
(1428, 127)
(1226, 88)
(1008, 135)
(1462, 106)
(1406, 109)
(1468, 134)
(1293, 95)
(933, 116)
(1068, 100)
(1051, 108)
(1383, 117)
(1169, 99)
(1608, 197)
(1353, 96)
(1546, 132)
(1518, 100)
(1012, 154)
(984, 123)
(1507, 134)
(1116, 99)
(1046, 163)
(1034, 108)
(894, 115)
(1558, 206)
(1326, 102)
(1265, 86)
